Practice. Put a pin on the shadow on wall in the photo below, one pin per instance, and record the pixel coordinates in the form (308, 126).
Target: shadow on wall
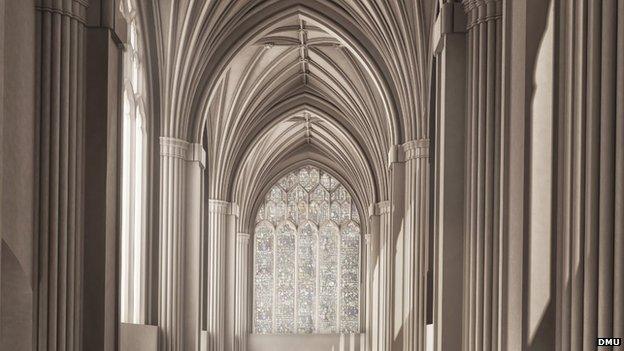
(16, 300)
(307, 342)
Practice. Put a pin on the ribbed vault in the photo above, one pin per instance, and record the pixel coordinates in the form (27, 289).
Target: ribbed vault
(302, 138)
(297, 89)
(249, 72)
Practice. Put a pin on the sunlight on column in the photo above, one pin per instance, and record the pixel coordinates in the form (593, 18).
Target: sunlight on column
(429, 337)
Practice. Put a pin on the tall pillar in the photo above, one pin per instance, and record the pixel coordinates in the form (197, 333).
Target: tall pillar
(590, 248)
(221, 222)
(171, 262)
(448, 211)
(415, 243)
(102, 184)
(372, 274)
(368, 288)
(484, 44)
(195, 165)
(181, 169)
(381, 323)
(60, 106)
(394, 246)
(241, 318)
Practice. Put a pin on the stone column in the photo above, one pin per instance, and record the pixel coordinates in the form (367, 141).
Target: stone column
(415, 244)
(382, 317)
(241, 319)
(368, 276)
(195, 164)
(171, 258)
(449, 162)
(103, 196)
(181, 189)
(393, 249)
(60, 106)
(483, 175)
(221, 221)
(372, 276)
(590, 247)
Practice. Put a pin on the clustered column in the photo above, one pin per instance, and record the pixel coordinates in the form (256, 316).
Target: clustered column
(61, 48)
(415, 243)
(221, 221)
(381, 312)
(446, 240)
(370, 261)
(484, 43)
(171, 258)
(590, 292)
(241, 319)
(195, 166)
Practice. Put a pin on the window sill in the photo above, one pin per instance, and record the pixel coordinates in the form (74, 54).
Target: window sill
(306, 342)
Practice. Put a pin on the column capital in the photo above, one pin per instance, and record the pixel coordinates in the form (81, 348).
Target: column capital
(480, 11)
(196, 153)
(222, 207)
(243, 238)
(76, 9)
(452, 18)
(173, 147)
(395, 155)
(417, 148)
(379, 208)
(178, 148)
(414, 149)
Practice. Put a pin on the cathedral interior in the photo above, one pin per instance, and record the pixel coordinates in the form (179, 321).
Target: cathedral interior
(312, 175)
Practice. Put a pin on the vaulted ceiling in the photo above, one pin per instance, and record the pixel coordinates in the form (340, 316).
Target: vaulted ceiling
(269, 84)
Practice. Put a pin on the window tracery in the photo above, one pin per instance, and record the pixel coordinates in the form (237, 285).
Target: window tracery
(307, 257)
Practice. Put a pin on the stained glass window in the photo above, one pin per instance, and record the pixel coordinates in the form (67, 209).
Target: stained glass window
(307, 257)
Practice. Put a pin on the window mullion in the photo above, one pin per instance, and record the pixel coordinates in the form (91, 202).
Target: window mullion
(331, 256)
(318, 281)
(296, 309)
(338, 279)
(273, 319)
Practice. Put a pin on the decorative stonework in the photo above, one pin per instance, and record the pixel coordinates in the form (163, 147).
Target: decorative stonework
(173, 147)
(196, 153)
(482, 11)
(243, 238)
(410, 150)
(416, 149)
(372, 210)
(77, 10)
(395, 154)
(379, 208)
(385, 207)
(307, 246)
(222, 207)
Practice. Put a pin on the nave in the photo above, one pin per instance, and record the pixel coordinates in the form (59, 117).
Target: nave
(328, 175)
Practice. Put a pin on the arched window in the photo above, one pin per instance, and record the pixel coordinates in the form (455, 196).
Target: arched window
(307, 257)
(134, 160)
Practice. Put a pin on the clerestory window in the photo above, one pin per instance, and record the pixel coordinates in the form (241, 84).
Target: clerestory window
(307, 257)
